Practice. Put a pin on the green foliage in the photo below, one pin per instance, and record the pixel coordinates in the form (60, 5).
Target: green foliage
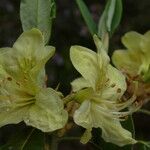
(38, 14)
(87, 17)
(110, 18)
(24, 140)
(143, 145)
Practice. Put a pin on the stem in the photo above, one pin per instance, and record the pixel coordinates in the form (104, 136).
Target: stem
(147, 144)
(105, 41)
(144, 111)
(54, 142)
(69, 138)
(68, 98)
(28, 137)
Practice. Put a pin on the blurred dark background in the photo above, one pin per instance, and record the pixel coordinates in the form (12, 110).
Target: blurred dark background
(70, 29)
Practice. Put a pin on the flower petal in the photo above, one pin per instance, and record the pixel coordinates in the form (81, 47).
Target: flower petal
(145, 43)
(85, 62)
(14, 102)
(82, 116)
(38, 72)
(12, 116)
(123, 60)
(27, 65)
(30, 43)
(79, 84)
(115, 86)
(128, 39)
(113, 132)
(90, 115)
(31, 52)
(48, 113)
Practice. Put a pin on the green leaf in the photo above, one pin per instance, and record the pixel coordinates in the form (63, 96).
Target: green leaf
(143, 145)
(38, 14)
(110, 18)
(129, 125)
(24, 140)
(87, 17)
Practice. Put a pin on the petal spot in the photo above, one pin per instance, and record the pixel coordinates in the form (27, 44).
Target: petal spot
(118, 90)
(9, 78)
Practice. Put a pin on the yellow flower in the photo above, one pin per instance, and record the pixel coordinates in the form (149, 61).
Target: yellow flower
(23, 93)
(99, 91)
(135, 60)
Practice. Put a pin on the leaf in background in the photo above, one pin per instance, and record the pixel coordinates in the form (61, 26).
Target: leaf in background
(108, 146)
(110, 18)
(38, 14)
(25, 140)
(129, 125)
(87, 17)
(143, 145)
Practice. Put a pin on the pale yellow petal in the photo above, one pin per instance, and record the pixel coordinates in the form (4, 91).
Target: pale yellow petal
(132, 41)
(47, 114)
(115, 85)
(113, 132)
(83, 116)
(12, 115)
(29, 43)
(93, 115)
(125, 62)
(86, 63)
(79, 84)
(145, 44)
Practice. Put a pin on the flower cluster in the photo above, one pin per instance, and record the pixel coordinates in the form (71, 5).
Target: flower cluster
(23, 92)
(99, 91)
(106, 85)
(135, 63)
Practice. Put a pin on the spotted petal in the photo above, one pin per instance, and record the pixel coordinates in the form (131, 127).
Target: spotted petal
(28, 56)
(115, 85)
(91, 114)
(47, 114)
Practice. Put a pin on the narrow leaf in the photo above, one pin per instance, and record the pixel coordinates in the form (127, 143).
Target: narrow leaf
(110, 18)
(87, 17)
(129, 125)
(144, 145)
(117, 15)
(24, 140)
(38, 14)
